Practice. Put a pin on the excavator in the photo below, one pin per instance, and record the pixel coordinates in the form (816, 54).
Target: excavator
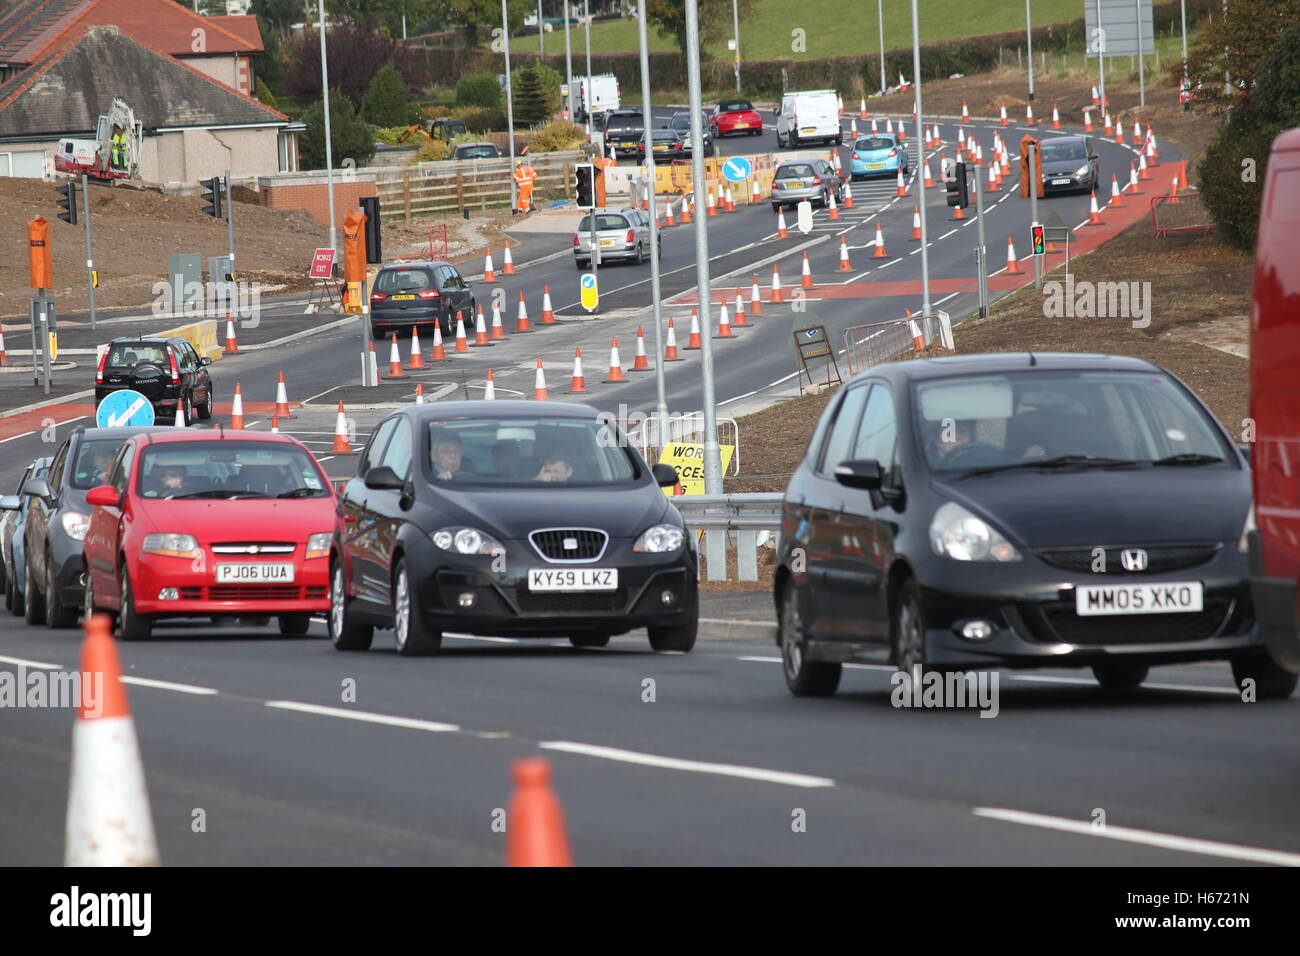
(97, 157)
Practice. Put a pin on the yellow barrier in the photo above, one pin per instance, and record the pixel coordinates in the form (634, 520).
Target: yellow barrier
(202, 335)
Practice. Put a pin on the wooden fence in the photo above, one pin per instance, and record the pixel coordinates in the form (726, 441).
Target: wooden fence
(450, 187)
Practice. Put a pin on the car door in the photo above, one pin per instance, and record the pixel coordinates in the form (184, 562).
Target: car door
(359, 523)
(870, 523)
(197, 375)
(387, 508)
(41, 514)
(458, 296)
(104, 536)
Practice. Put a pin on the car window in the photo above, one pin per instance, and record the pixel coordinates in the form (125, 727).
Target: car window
(453, 279)
(1059, 150)
(734, 106)
(390, 281)
(603, 223)
(374, 450)
(397, 455)
(878, 431)
(528, 452)
(93, 460)
(228, 469)
(839, 443)
(874, 142)
(794, 171)
(121, 469)
(56, 468)
(129, 354)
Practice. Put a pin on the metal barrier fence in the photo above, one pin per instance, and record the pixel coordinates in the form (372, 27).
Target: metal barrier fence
(1188, 214)
(685, 429)
(744, 522)
(868, 345)
(452, 185)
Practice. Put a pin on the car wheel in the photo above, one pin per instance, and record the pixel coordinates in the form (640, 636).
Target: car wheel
(56, 615)
(346, 634)
(776, 207)
(678, 638)
(33, 602)
(589, 639)
(825, 200)
(19, 602)
(183, 406)
(640, 255)
(130, 625)
(1271, 681)
(294, 625)
(205, 410)
(89, 608)
(1120, 675)
(581, 264)
(839, 140)
(413, 635)
(803, 677)
(908, 628)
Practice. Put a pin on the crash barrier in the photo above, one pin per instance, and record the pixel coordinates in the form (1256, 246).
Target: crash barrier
(202, 335)
(449, 186)
(868, 345)
(1186, 214)
(687, 429)
(743, 523)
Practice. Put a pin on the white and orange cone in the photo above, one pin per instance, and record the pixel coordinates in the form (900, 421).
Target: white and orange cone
(777, 295)
(480, 330)
(1087, 121)
(439, 353)
(712, 207)
(539, 384)
(4, 356)
(670, 349)
(965, 113)
(805, 279)
(1137, 132)
(281, 398)
(462, 342)
(490, 387)
(419, 393)
(507, 263)
(1002, 118)
(237, 409)
(880, 252)
(993, 178)
(579, 381)
(781, 231)
(845, 264)
(232, 344)
(1116, 200)
(731, 201)
(900, 188)
(1013, 264)
(832, 211)
(521, 323)
(1119, 131)
(498, 332)
(394, 359)
(724, 321)
(916, 223)
(755, 299)
(693, 341)
(275, 424)
(918, 340)
(1094, 214)
(862, 108)
(417, 356)
(489, 273)
(341, 444)
(615, 364)
(738, 319)
(929, 180)
(1029, 115)
(1056, 118)
(548, 313)
(848, 194)
(640, 362)
(1144, 171)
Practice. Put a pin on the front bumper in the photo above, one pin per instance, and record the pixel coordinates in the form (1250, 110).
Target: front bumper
(1067, 183)
(199, 593)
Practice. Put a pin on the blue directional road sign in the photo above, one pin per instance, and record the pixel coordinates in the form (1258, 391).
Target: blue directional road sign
(590, 291)
(737, 169)
(124, 408)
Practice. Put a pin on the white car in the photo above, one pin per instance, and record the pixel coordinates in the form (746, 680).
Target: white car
(813, 115)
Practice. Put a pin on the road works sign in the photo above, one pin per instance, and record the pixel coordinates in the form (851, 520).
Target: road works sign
(322, 264)
(590, 291)
(688, 460)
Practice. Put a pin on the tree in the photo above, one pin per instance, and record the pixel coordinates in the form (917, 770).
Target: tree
(530, 96)
(349, 134)
(356, 52)
(1235, 44)
(279, 13)
(479, 89)
(476, 19)
(265, 96)
(387, 102)
(714, 19)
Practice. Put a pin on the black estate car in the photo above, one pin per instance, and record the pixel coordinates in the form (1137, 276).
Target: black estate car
(525, 519)
(1018, 510)
(413, 294)
(167, 372)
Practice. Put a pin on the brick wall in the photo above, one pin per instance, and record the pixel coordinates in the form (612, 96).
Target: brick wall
(314, 196)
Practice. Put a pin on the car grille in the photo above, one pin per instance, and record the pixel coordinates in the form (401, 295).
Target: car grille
(1161, 558)
(262, 547)
(1069, 627)
(259, 592)
(580, 602)
(589, 543)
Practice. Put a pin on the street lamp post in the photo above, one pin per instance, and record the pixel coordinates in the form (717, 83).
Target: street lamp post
(591, 98)
(541, 33)
(919, 180)
(329, 140)
(735, 32)
(880, 16)
(510, 105)
(568, 62)
(1029, 49)
(647, 124)
(1101, 57)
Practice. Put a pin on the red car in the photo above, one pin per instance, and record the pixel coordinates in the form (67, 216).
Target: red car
(212, 523)
(735, 116)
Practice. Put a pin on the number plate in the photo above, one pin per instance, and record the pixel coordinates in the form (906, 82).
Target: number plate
(660, 148)
(609, 242)
(402, 297)
(255, 573)
(875, 165)
(808, 129)
(1096, 600)
(740, 126)
(1060, 182)
(792, 185)
(572, 579)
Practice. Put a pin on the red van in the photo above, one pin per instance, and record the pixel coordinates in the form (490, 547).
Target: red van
(1275, 405)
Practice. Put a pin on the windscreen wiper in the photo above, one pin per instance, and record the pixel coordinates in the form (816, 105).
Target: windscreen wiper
(1061, 461)
(302, 493)
(1188, 458)
(220, 493)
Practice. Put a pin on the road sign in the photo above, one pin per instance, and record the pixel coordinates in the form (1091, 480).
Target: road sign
(688, 460)
(804, 223)
(124, 408)
(1117, 33)
(590, 291)
(737, 169)
(1055, 229)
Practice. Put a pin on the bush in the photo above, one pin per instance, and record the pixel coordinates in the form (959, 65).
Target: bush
(350, 134)
(390, 136)
(480, 120)
(265, 96)
(387, 102)
(432, 151)
(479, 90)
(555, 137)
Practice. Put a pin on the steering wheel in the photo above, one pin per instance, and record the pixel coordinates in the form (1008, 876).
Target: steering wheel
(971, 449)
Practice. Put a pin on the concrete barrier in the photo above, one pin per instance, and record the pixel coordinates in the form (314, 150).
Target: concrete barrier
(202, 335)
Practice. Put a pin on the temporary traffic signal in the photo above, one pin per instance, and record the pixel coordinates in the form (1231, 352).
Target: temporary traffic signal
(1037, 241)
(584, 184)
(68, 203)
(1030, 146)
(212, 189)
(374, 240)
(958, 190)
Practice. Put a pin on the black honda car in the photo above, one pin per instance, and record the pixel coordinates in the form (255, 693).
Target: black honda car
(524, 519)
(623, 130)
(1018, 510)
(166, 371)
(413, 294)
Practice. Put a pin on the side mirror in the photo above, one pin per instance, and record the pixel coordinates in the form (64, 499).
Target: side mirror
(383, 478)
(37, 488)
(859, 474)
(103, 495)
(665, 476)
(205, 361)
(10, 503)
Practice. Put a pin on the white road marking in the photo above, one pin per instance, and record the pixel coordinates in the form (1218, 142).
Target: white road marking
(490, 640)
(42, 428)
(1155, 686)
(1165, 841)
(168, 685)
(23, 662)
(410, 723)
(860, 667)
(692, 766)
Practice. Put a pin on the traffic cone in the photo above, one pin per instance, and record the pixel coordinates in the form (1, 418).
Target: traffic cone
(1013, 264)
(462, 343)
(874, 129)
(417, 356)
(845, 265)
(4, 356)
(579, 382)
(880, 252)
(731, 201)
(548, 313)
(668, 215)
(108, 822)
(889, 126)
(918, 340)
(929, 180)
(848, 194)
(1056, 118)
(900, 189)
(237, 409)
(724, 321)
(862, 109)
(1153, 158)
(1108, 128)
(341, 445)
(615, 365)
(1087, 121)
(853, 128)
(480, 330)
(1002, 119)
(1173, 190)
(1096, 99)
(686, 211)
(281, 398)
(645, 196)
(640, 362)
(394, 360)
(1182, 174)
(439, 354)
(1132, 185)
(902, 133)
(1116, 201)
(507, 263)
(536, 835)
(1119, 131)
(670, 349)
(755, 300)
(738, 320)
(179, 419)
(916, 222)
(965, 113)
(993, 178)
(693, 342)
(419, 393)
(490, 387)
(781, 231)
(1137, 132)
(232, 345)
(711, 209)
(521, 323)
(374, 364)
(1094, 214)
(805, 279)
(776, 286)
(938, 138)
(275, 424)
(498, 332)
(489, 274)
(1144, 172)
(539, 384)
(1029, 115)
(957, 214)
(835, 162)
(833, 211)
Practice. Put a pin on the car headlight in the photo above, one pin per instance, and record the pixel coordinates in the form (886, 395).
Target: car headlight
(661, 539)
(318, 545)
(75, 525)
(466, 541)
(1083, 170)
(172, 545)
(1243, 543)
(960, 535)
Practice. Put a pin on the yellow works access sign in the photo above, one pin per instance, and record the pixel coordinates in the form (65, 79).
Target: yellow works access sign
(689, 462)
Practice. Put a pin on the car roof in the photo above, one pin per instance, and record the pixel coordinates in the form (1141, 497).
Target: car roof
(145, 339)
(476, 145)
(624, 111)
(611, 210)
(438, 411)
(173, 436)
(1002, 362)
(121, 432)
(420, 262)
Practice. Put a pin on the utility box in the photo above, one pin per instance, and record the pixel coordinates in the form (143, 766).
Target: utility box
(220, 284)
(186, 274)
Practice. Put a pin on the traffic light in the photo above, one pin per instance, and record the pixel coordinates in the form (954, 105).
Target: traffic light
(958, 190)
(68, 203)
(584, 184)
(212, 189)
(1036, 241)
(374, 241)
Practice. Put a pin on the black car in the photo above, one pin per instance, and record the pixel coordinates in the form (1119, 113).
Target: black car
(526, 519)
(681, 125)
(420, 293)
(623, 131)
(57, 519)
(166, 371)
(1018, 510)
(13, 559)
(667, 145)
(1069, 164)
(476, 151)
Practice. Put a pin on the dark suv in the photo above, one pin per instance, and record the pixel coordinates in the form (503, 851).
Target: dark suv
(167, 372)
(419, 293)
(623, 130)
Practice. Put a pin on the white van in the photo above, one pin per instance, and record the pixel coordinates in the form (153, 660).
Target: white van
(807, 116)
(604, 96)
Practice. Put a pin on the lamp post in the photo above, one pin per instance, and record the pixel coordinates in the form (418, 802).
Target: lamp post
(880, 15)
(1029, 49)
(735, 32)
(510, 106)
(568, 61)
(647, 128)
(329, 140)
(920, 182)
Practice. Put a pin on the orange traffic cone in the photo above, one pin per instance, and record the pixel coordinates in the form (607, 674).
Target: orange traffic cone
(615, 365)
(417, 357)
(1173, 190)
(957, 214)
(521, 323)
(929, 180)
(1013, 264)
(109, 822)
(833, 211)
(1182, 174)
(670, 350)
(1087, 121)
(237, 409)
(507, 263)
(805, 279)
(579, 382)
(419, 393)
(711, 208)
(548, 313)
(686, 211)
(965, 113)
(776, 285)
(693, 341)
(724, 321)
(1108, 128)
(755, 300)
(439, 354)
(902, 133)
(341, 444)
(1094, 214)
(536, 835)
(539, 384)
(880, 252)
(275, 422)
(993, 178)
(1056, 118)
(862, 109)
(232, 345)
(738, 320)
(1144, 171)
(1119, 131)
(845, 264)
(489, 274)
(781, 231)
(462, 343)
(4, 356)
(281, 398)
(480, 330)
(731, 201)
(916, 222)
(918, 340)
(489, 387)
(640, 362)
(668, 215)
(848, 194)
(498, 332)
(900, 189)
(1116, 201)
(1002, 119)
(394, 360)
(1132, 185)
(1137, 132)
(1029, 115)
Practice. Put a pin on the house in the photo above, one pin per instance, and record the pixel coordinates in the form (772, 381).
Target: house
(195, 126)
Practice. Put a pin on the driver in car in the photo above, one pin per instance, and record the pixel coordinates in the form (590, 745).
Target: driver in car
(99, 463)
(555, 469)
(169, 482)
(952, 435)
(449, 458)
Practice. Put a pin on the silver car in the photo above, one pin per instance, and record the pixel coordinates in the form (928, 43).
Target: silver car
(620, 233)
(811, 179)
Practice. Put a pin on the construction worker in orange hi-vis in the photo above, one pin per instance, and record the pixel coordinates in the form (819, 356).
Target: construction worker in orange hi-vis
(525, 176)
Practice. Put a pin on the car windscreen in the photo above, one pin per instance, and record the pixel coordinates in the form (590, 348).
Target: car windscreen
(90, 468)
(390, 281)
(603, 223)
(528, 452)
(477, 152)
(624, 124)
(795, 171)
(663, 135)
(228, 469)
(129, 354)
(1015, 419)
(734, 106)
(874, 142)
(682, 121)
(1056, 151)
